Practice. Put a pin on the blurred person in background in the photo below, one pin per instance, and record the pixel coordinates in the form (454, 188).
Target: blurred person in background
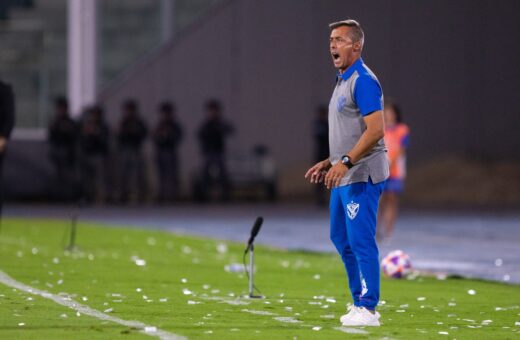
(320, 131)
(94, 150)
(130, 137)
(396, 140)
(7, 114)
(212, 137)
(167, 137)
(63, 136)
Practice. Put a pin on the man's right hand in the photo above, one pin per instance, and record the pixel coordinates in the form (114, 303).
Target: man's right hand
(317, 173)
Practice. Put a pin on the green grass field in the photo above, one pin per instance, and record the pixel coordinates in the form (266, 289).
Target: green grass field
(181, 286)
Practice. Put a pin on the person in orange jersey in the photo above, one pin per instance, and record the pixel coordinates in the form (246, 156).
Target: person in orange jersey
(396, 140)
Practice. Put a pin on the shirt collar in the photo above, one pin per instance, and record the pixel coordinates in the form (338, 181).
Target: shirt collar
(349, 71)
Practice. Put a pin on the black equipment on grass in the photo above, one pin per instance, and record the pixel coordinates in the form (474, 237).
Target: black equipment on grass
(251, 248)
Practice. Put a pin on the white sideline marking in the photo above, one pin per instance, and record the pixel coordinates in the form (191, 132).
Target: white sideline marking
(68, 302)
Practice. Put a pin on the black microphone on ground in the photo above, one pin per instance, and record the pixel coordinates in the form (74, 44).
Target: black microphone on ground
(254, 231)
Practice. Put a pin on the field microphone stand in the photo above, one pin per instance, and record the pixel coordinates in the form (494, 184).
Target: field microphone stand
(251, 249)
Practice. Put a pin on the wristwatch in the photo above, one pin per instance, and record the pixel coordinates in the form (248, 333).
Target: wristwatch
(345, 159)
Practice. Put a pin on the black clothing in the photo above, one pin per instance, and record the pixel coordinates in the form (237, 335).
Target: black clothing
(7, 109)
(167, 137)
(212, 135)
(321, 139)
(7, 113)
(132, 133)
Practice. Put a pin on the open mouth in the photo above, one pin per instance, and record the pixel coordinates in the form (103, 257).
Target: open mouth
(335, 55)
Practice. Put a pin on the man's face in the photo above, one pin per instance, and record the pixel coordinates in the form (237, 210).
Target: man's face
(343, 51)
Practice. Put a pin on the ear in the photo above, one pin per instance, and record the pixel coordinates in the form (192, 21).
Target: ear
(357, 46)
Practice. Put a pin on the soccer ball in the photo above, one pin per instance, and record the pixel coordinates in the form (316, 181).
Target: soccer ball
(396, 264)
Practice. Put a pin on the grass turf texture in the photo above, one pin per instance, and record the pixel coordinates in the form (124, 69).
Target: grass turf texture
(183, 288)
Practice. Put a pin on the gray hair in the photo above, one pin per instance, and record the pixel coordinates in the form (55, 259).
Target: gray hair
(356, 32)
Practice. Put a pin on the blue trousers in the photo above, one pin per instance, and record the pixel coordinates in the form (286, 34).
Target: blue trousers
(353, 217)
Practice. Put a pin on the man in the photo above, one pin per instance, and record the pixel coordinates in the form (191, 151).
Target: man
(6, 126)
(356, 169)
(94, 139)
(212, 137)
(167, 137)
(321, 146)
(131, 136)
(63, 135)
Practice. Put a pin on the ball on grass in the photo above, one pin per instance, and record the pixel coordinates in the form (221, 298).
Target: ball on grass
(396, 264)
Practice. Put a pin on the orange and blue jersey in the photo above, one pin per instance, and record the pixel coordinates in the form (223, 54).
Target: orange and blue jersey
(396, 141)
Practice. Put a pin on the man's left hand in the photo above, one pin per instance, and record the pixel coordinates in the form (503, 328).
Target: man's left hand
(335, 174)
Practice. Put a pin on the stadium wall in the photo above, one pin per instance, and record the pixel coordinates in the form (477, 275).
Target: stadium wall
(451, 65)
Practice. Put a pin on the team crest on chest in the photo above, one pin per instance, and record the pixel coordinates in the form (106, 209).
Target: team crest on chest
(352, 210)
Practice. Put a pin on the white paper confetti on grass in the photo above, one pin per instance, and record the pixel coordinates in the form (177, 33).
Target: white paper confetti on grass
(328, 316)
(421, 298)
(184, 280)
(21, 324)
(286, 319)
(109, 310)
(517, 323)
(55, 260)
(138, 290)
(191, 302)
(34, 251)
(452, 304)
(151, 241)
(186, 250)
(444, 333)
(163, 300)
(257, 312)
(222, 248)
(186, 291)
(400, 311)
(472, 292)
(64, 316)
(317, 328)
(331, 300)
(316, 277)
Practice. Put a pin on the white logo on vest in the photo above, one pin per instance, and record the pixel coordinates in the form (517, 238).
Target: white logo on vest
(352, 210)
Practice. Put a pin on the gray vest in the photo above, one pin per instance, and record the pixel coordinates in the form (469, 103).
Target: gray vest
(346, 125)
